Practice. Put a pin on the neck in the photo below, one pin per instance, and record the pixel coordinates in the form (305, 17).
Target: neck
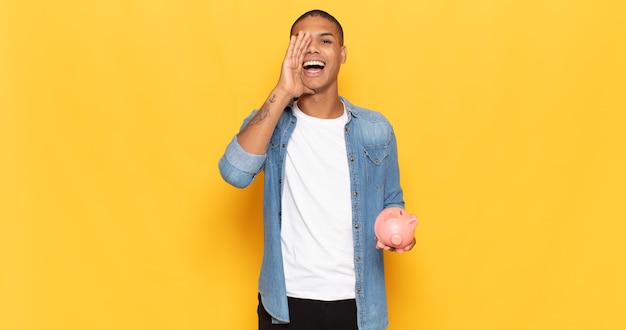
(321, 106)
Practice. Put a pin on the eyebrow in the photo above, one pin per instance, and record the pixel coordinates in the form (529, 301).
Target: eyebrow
(325, 34)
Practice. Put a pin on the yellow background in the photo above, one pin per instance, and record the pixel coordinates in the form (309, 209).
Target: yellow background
(113, 114)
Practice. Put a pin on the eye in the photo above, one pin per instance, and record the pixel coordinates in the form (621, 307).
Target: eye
(326, 41)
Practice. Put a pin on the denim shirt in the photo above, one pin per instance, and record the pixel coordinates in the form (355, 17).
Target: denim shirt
(375, 185)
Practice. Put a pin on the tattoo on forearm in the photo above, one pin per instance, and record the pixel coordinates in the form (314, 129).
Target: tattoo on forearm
(264, 112)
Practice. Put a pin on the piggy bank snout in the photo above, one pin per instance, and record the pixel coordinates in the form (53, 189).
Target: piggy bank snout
(396, 239)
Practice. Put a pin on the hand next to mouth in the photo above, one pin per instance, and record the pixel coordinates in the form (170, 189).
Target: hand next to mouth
(293, 66)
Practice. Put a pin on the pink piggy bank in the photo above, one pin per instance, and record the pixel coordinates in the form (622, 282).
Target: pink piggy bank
(395, 227)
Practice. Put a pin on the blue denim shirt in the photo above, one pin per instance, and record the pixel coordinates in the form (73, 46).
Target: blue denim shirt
(375, 185)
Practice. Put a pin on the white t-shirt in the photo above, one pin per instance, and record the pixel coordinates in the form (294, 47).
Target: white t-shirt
(316, 231)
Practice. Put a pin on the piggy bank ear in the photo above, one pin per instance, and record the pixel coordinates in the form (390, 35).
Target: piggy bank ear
(413, 222)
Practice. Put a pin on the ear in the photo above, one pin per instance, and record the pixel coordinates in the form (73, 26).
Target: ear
(413, 222)
(344, 54)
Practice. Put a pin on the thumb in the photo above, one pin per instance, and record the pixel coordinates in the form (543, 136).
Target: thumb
(308, 90)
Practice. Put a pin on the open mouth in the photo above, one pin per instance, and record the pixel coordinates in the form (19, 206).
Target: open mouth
(313, 66)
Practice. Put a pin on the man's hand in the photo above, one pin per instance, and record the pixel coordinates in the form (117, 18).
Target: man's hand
(380, 245)
(291, 73)
(255, 136)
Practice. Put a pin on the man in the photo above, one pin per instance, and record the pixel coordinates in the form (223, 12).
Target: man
(330, 168)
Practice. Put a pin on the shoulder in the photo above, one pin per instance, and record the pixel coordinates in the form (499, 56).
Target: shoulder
(373, 126)
(365, 114)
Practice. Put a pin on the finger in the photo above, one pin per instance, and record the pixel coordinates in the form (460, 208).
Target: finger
(412, 243)
(295, 44)
(293, 50)
(302, 43)
(410, 246)
(308, 90)
(302, 40)
(380, 245)
(290, 49)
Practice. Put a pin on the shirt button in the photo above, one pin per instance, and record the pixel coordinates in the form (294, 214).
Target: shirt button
(351, 159)
(358, 291)
(356, 226)
(347, 129)
(355, 193)
(358, 259)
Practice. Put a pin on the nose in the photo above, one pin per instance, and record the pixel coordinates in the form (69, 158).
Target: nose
(312, 48)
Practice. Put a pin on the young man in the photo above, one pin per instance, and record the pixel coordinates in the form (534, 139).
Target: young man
(330, 169)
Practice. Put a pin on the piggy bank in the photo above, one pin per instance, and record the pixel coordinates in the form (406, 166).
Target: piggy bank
(395, 227)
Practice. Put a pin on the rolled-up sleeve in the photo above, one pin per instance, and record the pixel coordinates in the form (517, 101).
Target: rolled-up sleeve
(239, 167)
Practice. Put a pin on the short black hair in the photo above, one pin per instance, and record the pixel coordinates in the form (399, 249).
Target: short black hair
(320, 13)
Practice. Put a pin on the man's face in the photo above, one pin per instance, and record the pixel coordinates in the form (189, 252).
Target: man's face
(323, 56)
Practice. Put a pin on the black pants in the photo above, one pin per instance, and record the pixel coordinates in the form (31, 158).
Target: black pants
(306, 314)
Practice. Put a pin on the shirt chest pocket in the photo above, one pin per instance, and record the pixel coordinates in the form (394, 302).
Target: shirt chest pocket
(375, 166)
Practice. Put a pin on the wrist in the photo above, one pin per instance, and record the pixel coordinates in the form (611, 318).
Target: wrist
(282, 92)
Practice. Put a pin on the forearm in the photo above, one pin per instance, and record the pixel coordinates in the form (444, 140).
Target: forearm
(255, 136)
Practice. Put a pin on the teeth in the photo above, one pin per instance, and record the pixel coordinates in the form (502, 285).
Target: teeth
(312, 63)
